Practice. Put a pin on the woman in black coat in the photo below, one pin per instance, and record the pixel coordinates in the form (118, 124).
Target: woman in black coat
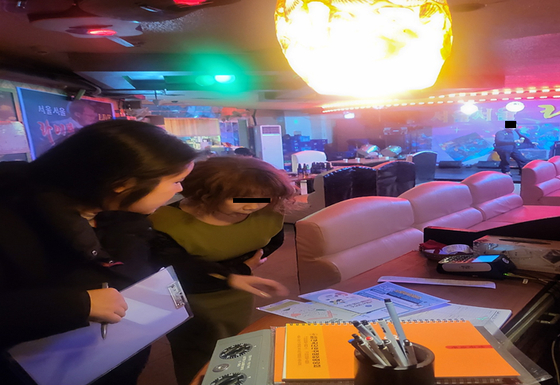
(75, 218)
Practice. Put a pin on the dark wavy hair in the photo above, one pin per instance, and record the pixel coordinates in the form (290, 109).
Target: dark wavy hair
(214, 180)
(90, 164)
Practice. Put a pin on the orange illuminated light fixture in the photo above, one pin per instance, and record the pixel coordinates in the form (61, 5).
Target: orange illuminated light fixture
(189, 2)
(365, 48)
(101, 32)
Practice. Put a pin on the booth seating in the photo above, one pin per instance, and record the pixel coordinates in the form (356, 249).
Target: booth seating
(425, 163)
(387, 179)
(540, 182)
(307, 157)
(493, 195)
(395, 177)
(334, 186)
(352, 236)
(441, 203)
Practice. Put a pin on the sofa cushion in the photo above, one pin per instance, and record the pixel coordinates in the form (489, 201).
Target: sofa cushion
(446, 204)
(538, 180)
(488, 225)
(555, 160)
(552, 199)
(356, 221)
(352, 236)
(492, 193)
(529, 213)
(538, 171)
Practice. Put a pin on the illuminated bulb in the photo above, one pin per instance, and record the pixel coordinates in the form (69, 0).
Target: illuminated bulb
(101, 32)
(515, 106)
(225, 79)
(469, 108)
(349, 115)
(364, 48)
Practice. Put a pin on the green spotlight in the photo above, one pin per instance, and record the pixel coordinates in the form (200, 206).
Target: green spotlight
(205, 80)
(225, 79)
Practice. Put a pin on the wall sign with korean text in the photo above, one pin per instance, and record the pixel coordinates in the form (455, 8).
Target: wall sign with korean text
(50, 118)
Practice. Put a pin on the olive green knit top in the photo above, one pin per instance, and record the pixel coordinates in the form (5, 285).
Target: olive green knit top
(218, 243)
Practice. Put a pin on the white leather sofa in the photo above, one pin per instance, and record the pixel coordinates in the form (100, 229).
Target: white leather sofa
(355, 235)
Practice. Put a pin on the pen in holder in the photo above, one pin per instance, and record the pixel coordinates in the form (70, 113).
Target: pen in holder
(420, 374)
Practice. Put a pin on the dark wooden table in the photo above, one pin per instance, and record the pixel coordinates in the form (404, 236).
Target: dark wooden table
(509, 294)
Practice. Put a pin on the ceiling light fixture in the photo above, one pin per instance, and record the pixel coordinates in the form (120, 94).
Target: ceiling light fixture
(469, 108)
(365, 48)
(189, 3)
(225, 79)
(515, 106)
(101, 32)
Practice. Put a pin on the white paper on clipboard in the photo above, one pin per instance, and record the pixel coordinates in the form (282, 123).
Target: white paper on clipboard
(80, 356)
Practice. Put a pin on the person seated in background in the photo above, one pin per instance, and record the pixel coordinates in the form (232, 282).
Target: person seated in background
(65, 220)
(244, 151)
(208, 223)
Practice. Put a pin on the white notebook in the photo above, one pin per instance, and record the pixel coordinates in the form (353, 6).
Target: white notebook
(80, 356)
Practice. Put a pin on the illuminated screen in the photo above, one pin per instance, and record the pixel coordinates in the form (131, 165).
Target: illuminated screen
(486, 258)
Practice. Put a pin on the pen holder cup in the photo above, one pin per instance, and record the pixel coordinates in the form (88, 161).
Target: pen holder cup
(419, 374)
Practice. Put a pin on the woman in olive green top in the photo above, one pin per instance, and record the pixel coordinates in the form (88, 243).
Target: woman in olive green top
(210, 225)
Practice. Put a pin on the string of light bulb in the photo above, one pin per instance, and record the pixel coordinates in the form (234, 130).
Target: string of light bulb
(495, 95)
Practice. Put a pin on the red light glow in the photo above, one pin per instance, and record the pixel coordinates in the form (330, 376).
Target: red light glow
(101, 32)
(189, 2)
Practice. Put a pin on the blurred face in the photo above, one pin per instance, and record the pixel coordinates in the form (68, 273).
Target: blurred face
(163, 192)
(228, 207)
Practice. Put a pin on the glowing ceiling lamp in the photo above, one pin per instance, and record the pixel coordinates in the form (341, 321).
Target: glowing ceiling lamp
(515, 106)
(469, 108)
(101, 32)
(365, 48)
(224, 78)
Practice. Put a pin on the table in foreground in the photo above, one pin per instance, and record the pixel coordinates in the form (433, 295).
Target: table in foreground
(526, 301)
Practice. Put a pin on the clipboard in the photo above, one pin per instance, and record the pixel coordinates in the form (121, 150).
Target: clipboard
(156, 305)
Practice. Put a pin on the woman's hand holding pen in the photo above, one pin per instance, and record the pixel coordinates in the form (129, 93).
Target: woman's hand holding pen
(255, 261)
(256, 285)
(107, 305)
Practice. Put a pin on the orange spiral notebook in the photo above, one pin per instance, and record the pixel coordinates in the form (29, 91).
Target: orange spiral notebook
(321, 352)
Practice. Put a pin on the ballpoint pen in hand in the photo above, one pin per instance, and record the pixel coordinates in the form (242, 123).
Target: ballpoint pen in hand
(104, 285)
